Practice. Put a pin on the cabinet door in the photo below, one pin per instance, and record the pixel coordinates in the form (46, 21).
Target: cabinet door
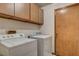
(34, 13)
(40, 16)
(22, 10)
(7, 8)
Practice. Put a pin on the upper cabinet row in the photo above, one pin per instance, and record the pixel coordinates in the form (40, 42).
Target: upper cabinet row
(24, 11)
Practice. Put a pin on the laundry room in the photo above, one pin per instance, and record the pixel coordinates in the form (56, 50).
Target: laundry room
(16, 31)
(39, 29)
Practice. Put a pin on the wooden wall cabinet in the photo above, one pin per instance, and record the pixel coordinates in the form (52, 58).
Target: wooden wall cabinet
(27, 12)
(22, 10)
(34, 13)
(7, 8)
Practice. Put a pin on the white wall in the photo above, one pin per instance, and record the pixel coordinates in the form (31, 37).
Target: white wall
(20, 27)
(48, 27)
(13, 24)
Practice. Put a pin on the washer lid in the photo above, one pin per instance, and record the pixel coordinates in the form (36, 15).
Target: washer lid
(16, 42)
(41, 36)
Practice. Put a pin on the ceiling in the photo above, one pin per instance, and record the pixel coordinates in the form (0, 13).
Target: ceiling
(42, 4)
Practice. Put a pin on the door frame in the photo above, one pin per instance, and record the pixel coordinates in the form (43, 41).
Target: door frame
(55, 24)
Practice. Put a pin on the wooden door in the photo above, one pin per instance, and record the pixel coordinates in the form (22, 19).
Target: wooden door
(34, 13)
(22, 10)
(7, 8)
(67, 31)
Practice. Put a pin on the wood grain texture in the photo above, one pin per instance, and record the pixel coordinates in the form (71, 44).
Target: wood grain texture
(34, 13)
(7, 8)
(67, 31)
(22, 10)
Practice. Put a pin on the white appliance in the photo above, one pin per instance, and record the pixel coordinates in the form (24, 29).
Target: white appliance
(17, 45)
(44, 44)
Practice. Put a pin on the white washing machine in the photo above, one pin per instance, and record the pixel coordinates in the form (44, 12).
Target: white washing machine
(18, 46)
(44, 44)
